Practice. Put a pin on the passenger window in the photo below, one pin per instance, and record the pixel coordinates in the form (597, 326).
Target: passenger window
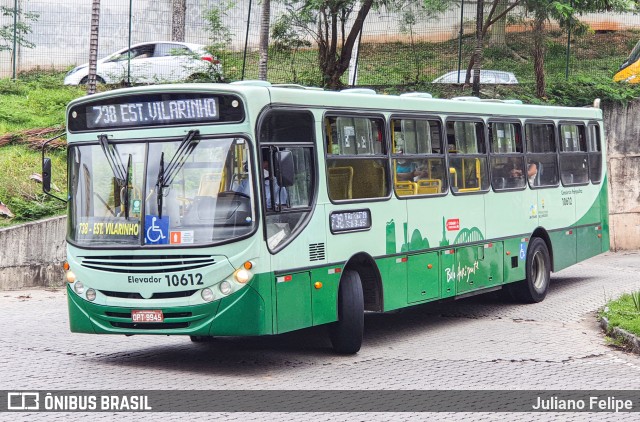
(418, 162)
(467, 159)
(541, 156)
(595, 154)
(287, 202)
(505, 137)
(507, 160)
(574, 160)
(357, 165)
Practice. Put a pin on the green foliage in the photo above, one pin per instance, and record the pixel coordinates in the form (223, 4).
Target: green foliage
(20, 31)
(582, 90)
(624, 313)
(38, 101)
(22, 194)
(220, 37)
(635, 297)
(219, 33)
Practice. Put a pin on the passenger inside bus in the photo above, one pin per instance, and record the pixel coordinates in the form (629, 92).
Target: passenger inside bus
(532, 172)
(405, 170)
(282, 196)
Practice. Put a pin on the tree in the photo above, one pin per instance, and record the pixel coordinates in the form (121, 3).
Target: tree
(335, 26)
(93, 46)
(478, 52)
(219, 34)
(178, 15)
(499, 30)
(481, 32)
(14, 34)
(564, 12)
(264, 39)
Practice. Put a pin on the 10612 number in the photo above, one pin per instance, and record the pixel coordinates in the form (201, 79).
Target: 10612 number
(184, 280)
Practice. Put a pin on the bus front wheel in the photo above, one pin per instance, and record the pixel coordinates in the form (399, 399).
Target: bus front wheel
(534, 288)
(346, 333)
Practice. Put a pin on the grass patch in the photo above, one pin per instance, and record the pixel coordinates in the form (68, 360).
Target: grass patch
(20, 193)
(624, 313)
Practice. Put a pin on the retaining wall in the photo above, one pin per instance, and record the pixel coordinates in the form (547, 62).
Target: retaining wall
(32, 254)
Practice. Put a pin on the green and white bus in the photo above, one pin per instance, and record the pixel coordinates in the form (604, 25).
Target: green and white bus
(249, 209)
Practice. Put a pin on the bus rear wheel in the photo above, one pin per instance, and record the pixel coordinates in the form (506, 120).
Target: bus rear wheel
(534, 288)
(346, 333)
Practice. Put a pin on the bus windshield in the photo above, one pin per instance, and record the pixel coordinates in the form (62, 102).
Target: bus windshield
(182, 192)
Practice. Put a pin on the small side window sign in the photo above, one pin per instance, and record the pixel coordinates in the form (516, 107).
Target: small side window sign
(350, 221)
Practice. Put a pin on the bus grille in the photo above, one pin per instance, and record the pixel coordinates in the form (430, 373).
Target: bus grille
(161, 295)
(146, 264)
(316, 252)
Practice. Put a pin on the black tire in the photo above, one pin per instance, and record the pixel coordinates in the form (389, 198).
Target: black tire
(534, 288)
(346, 333)
(200, 339)
(84, 80)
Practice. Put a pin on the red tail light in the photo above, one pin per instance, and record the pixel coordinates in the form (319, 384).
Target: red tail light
(210, 59)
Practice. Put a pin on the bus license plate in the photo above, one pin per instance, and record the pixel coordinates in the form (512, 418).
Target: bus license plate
(147, 316)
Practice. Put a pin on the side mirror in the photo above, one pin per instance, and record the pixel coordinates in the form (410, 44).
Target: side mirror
(46, 170)
(46, 175)
(284, 171)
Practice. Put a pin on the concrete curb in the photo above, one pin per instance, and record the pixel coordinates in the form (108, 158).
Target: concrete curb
(629, 339)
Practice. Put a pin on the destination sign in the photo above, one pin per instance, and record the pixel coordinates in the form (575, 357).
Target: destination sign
(171, 111)
(144, 110)
(90, 228)
(345, 221)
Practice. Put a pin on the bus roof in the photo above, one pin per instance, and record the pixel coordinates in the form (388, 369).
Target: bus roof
(364, 99)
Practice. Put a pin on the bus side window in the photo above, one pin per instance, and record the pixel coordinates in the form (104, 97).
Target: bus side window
(467, 158)
(573, 155)
(541, 151)
(361, 148)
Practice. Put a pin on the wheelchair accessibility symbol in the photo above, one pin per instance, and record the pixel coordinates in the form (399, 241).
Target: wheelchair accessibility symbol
(157, 230)
(523, 251)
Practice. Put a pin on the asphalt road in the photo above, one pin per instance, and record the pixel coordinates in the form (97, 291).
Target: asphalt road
(480, 343)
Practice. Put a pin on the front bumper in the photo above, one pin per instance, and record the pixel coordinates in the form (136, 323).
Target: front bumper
(241, 313)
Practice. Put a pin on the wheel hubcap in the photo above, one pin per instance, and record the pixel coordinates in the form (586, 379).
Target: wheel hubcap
(538, 271)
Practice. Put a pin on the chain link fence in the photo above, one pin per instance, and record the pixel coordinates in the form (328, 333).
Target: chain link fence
(396, 48)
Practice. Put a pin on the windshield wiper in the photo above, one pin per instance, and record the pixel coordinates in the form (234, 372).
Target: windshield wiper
(166, 176)
(121, 174)
(126, 188)
(160, 185)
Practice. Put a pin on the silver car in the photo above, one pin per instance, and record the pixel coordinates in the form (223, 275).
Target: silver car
(151, 62)
(486, 77)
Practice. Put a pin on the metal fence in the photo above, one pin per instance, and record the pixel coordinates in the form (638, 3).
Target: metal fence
(390, 52)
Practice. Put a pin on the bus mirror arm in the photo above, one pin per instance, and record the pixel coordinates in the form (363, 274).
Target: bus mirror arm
(284, 170)
(46, 170)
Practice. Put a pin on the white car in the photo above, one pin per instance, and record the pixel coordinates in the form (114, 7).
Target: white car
(486, 77)
(151, 62)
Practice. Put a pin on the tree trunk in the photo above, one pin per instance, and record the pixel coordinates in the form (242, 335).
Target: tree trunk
(178, 19)
(477, 54)
(499, 29)
(334, 63)
(264, 40)
(93, 47)
(538, 54)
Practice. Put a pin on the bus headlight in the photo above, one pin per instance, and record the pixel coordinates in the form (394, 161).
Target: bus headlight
(242, 275)
(207, 294)
(91, 295)
(225, 287)
(78, 287)
(71, 277)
